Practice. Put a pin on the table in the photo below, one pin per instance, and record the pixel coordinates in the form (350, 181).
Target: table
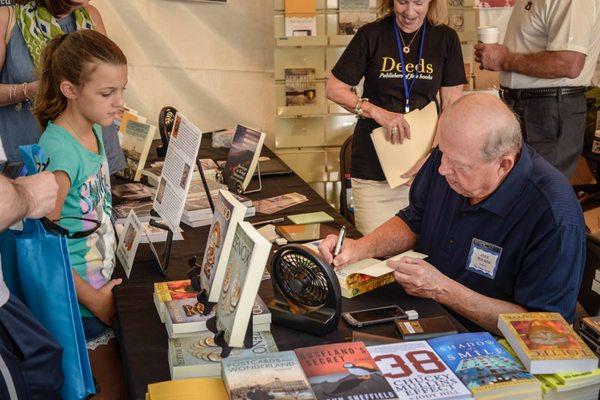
(143, 339)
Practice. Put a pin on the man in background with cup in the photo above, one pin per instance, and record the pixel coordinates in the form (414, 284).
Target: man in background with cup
(546, 62)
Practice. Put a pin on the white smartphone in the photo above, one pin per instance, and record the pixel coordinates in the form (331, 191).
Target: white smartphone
(374, 316)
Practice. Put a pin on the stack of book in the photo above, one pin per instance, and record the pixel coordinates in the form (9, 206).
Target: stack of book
(589, 330)
(178, 308)
(209, 167)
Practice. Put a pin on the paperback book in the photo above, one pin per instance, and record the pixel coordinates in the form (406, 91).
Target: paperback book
(300, 87)
(199, 356)
(142, 209)
(136, 144)
(228, 213)
(268, 376)
(131, 191)
(242, 158)
(279, 203)
(485, 367)
(546, 343)
(415, 372)
(186, 316)
(245, 267)
(171, 290)
(211, 388)
(343, 371)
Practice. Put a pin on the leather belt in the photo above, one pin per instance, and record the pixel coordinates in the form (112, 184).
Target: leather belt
(522, 94)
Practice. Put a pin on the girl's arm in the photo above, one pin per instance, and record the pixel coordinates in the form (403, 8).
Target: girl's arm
(11, 93)
(98, 301)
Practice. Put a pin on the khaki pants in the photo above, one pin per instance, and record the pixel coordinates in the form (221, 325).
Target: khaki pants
(375, 203)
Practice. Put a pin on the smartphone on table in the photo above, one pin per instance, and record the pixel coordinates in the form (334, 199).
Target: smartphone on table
(372, 316)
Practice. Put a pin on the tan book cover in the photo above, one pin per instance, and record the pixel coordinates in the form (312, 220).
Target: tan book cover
(397, 159)
(546, 343)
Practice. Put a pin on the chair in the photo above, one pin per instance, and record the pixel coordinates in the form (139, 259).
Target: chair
(345, 194)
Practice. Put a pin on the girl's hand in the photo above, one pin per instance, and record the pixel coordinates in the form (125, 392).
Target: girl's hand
(397, 129)
(104, 305)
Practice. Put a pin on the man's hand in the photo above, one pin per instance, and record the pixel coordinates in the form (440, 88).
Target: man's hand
(348, 252)
(103, 306)
(418, 277)
(492, 57)
(39, 191)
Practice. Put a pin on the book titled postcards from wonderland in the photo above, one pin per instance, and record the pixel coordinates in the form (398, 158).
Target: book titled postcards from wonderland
(546, 343)
(270, 376)
(242, 158)
(485, 367)
(198, 355)
(343, 371)
(228, 213)
(415, 372)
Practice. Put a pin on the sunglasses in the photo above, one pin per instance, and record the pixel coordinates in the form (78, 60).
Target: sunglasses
(53, 227)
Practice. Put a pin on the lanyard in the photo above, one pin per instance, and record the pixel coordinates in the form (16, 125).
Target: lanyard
(407, 88)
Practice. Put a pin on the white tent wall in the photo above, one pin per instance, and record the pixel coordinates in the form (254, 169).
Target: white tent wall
(213, 62)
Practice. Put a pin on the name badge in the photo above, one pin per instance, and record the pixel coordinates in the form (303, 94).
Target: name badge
(484, 258)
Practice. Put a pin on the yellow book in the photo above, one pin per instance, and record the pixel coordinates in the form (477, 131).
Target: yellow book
(188, 389)
(546, 343)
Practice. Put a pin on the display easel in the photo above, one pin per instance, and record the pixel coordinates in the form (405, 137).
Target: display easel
(164, 265)
(238, 185)
(219, 338)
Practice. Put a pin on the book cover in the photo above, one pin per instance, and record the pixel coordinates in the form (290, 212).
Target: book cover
(483, 365)
(271, 376)
(415, 372)
(137, 140)
(175, 290)
(198, 355)
(343, 371)
(300, 86)
(242, 158)
(245, 267)
(228, 212)
(211, 388)
(591, 325)
(142, 210)
(546, 343)
(300, 25)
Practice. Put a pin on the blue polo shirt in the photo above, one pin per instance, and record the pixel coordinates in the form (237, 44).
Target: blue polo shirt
(533, 216)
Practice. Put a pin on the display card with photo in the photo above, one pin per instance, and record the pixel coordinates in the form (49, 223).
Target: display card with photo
(176, 174)
(129, 241)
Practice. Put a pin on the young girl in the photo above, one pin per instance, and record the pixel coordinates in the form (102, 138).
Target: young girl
(83, 76)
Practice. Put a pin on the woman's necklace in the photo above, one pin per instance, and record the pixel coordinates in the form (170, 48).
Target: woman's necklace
(405, 48)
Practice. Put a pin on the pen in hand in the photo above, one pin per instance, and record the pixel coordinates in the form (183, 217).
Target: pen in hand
(339, 244)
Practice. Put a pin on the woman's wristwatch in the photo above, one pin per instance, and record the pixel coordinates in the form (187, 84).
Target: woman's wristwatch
(358, 107)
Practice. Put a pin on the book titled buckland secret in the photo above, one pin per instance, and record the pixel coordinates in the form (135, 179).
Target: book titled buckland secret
(343, 371)
(546, 343)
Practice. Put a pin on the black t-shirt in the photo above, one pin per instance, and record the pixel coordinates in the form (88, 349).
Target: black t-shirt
(373, 54)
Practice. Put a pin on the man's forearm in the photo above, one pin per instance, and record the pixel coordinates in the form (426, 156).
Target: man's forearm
(478, 308)
(545, 64)
(14, 205)
(391, 238)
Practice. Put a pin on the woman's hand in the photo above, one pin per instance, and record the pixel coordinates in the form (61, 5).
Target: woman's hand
(32, 88)
(412, 172)
(397, 129)
(103, 306)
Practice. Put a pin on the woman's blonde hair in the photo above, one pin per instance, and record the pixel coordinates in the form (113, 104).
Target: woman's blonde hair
(70, 57)
(437, 14)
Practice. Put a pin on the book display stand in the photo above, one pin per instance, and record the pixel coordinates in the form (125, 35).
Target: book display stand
(220, 341)
(238, 187)
(164, 265)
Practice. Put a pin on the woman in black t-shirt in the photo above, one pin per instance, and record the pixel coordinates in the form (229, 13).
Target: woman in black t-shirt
(412, 37)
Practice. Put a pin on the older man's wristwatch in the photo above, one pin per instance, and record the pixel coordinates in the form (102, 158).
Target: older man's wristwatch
(358, 108)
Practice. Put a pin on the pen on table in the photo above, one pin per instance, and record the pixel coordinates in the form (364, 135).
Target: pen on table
(268, 221)
(340, 242)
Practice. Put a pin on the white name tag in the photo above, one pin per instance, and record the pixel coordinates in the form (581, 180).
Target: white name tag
(484, 258)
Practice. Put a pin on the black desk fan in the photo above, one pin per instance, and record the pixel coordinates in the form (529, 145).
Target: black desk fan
(307, 292)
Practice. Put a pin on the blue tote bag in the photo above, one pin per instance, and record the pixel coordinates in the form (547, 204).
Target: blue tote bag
(47, 288)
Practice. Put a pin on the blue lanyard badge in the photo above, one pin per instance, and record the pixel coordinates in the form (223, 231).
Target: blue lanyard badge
(484, 258)
(407, 88)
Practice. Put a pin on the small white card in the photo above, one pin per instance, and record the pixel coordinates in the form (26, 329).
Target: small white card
(129, 241)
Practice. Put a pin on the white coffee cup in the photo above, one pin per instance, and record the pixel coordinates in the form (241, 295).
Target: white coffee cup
(488, 34)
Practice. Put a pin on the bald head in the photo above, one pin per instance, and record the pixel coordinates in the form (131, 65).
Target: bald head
(483, 124)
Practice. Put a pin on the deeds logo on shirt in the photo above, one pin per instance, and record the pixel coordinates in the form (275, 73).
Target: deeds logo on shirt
(390, 68)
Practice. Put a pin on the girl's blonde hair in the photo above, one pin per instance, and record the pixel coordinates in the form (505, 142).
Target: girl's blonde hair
(70, 57)
(437, 14)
